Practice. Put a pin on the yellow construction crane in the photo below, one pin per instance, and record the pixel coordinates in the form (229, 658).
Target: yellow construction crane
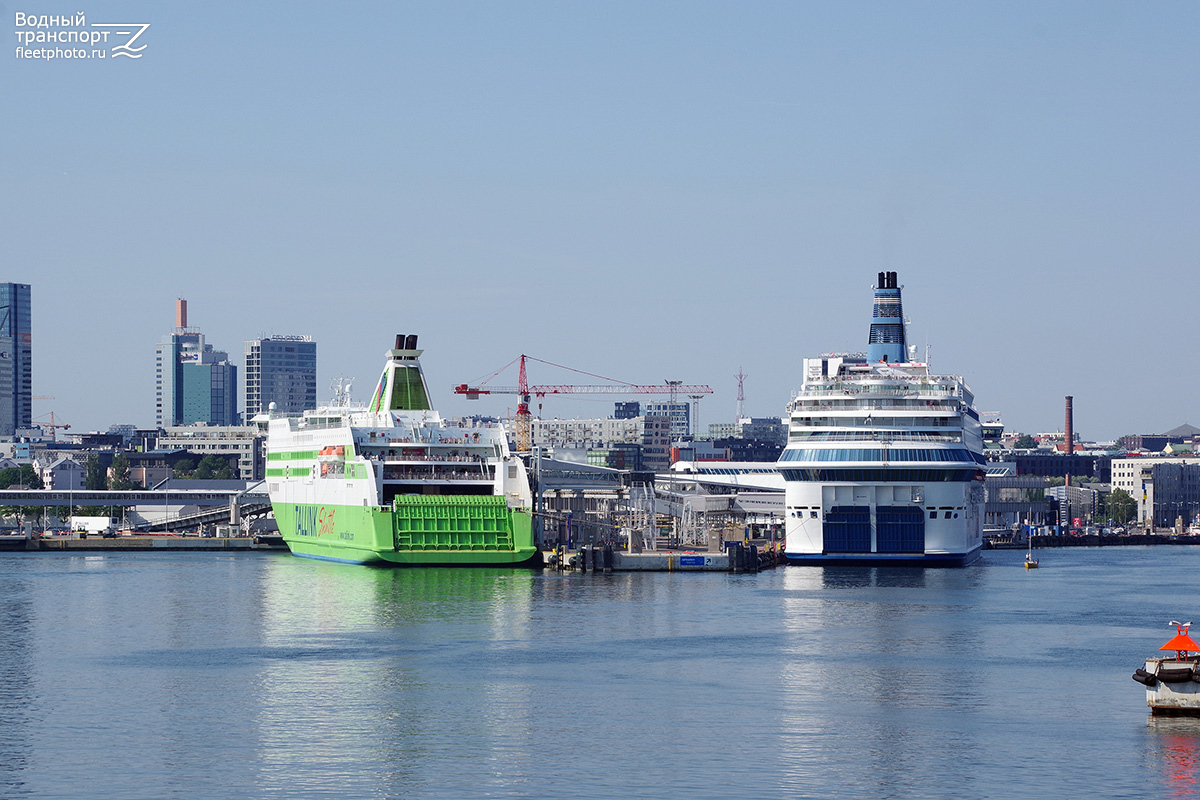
(53, 426)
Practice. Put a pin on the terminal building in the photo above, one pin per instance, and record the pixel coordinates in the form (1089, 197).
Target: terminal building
(227, 441)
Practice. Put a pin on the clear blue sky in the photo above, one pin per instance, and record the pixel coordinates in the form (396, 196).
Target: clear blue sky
(645, 190)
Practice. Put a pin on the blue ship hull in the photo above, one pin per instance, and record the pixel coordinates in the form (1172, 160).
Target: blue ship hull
(883, 559)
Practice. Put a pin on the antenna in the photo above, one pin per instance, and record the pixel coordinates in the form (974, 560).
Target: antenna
(341, 386)
(741, 396)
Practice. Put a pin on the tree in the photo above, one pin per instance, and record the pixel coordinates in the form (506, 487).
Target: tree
(210, 468)
(1076, 480)
(1025, 442)
(119, 471)
(1120, 506)
(95, 477)
(24, 475)
(213, 468)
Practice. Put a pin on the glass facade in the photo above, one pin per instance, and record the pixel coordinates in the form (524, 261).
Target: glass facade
(193, 383)
(280, 370)
(16, 350)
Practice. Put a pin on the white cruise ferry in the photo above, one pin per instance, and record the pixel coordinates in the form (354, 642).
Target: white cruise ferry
(884, 462)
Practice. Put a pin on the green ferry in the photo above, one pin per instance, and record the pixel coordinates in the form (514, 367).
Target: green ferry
(393, 483)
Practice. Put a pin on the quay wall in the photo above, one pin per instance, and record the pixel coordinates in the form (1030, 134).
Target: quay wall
(142, 543)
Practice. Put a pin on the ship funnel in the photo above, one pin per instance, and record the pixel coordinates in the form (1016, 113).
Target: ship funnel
(402, 385)
(887, 342)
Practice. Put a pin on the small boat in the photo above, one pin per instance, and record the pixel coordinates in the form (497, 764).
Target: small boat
(1030, 561)
(1173, 683)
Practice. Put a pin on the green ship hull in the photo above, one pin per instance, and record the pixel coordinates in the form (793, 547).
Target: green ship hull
(417, 530)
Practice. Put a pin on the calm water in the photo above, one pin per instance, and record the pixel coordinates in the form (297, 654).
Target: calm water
(237, 676)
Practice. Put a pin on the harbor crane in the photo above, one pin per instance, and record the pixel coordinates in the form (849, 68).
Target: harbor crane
(525, 391)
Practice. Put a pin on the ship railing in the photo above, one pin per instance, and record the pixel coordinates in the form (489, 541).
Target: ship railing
(460, 459)
(944, 423)
(389, 441)
(310, 425)
(855, 390)
(441, 475)
(804, 434)
(874, 403)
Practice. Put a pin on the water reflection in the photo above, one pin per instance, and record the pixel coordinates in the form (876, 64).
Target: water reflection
(879, 676)
(1175, 745)
(441, 676)
(248, 676)
(862, 577)
(16, 679)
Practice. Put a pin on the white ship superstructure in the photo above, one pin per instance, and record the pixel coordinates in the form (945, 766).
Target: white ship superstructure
(884, 462)
(394, 483)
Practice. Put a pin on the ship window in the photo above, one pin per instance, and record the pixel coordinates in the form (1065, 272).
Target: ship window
(933, 515)
(946, 515)
(813, 514)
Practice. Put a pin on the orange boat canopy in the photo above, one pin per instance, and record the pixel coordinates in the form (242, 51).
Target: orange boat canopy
(1182, 642)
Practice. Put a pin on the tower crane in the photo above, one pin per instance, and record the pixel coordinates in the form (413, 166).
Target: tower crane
(524, 390)
(52, 426)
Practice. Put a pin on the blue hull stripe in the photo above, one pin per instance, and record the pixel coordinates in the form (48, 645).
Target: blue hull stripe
(329, 558)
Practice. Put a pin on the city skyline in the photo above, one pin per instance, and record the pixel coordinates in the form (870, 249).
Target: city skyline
(650, 192)
(302, 384)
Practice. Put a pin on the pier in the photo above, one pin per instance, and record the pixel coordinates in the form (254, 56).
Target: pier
(136, 543)
(736, 557)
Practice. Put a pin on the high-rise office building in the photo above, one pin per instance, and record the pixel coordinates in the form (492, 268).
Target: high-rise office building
(16, 367)
(192, 381)
(280, 370)
(679, 413)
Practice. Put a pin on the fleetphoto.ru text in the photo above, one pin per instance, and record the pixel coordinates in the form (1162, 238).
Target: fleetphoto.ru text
(51, 36)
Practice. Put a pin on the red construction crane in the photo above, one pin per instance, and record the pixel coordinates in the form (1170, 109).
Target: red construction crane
(525, 391)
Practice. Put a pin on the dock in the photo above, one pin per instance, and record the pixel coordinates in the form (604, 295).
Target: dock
(735, 558)
(244, 544)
